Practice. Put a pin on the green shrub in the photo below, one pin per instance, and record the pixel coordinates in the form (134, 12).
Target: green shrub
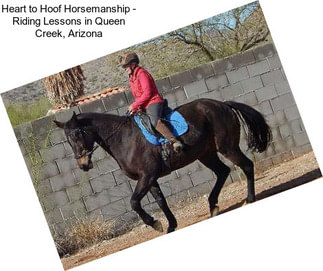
(20, 113)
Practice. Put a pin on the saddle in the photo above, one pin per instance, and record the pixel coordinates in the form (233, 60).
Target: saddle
(173, 119)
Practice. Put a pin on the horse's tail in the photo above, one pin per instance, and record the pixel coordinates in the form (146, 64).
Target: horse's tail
(259, 134)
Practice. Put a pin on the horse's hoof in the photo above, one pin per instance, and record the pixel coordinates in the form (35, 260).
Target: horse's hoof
(215, 211)
(169, 230)
(157, 225)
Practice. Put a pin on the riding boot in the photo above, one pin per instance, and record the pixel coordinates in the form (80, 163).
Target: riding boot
(166, 132)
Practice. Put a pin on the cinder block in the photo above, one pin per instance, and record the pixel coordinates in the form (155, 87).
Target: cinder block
(23, 130)
(195, 88)
(243, 59)
(296, 126)
(272, 77)
(118, 192)
(170, 96)
(170, 177)
(122, 111)
(301, 150)
(120, 177)
(163, 84)
(113, 210)
(189, 169)
(202, 71)
(180, 184)
(69, 210)
(292, 113)
(201, 176)
(43, 125)
(107, 165)
(265, 164)
(280, 146)
(237, 175)
(62, 181)
(129, 97)
(282, 87)
(54, 200)
(81, 175)
(237, 75)
(282, 102)
(285, 130)
(248, 98)
(57, 136)
(66, 115)
(251, 84)
(79, 191)
(66, 164)
(95, 106)
(200, 190)
(301, 139)
(228, 93)
(280, 117)
(181, 79)
(274, 62)
(266, 93)
(44, 188)
(102, 182)
(265, 108)
(48, 170)
(215, 95)
(115, 101)
(222, 65)
(54, 216)
(183, 196)
(56, 152)
(96, 201)
(180, 94)
(99, 154)
(279, 158)
(258, 68)
(166, 188)
(264, 51)
(270, 151)
(217, 81)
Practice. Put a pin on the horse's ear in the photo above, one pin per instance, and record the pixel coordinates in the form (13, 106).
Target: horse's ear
(74, 116)
(59, 124)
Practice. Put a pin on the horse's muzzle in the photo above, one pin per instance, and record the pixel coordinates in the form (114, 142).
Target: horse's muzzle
(85, 163)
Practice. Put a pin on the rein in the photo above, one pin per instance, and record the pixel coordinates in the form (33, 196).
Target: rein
(117, 129)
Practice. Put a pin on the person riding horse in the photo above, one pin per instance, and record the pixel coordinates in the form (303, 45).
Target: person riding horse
(146, 95)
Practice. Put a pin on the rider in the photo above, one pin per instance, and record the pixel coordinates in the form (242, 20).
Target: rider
(147, 97)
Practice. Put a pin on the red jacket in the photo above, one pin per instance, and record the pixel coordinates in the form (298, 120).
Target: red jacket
(143, 89)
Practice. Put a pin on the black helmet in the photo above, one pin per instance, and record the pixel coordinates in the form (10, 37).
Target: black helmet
(128, 58)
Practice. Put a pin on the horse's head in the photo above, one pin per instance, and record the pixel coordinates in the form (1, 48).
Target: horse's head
(81, 141)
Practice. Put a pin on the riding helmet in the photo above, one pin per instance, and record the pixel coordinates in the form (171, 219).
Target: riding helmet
(128, 58)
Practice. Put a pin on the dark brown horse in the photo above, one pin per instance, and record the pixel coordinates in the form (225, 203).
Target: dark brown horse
(214, 126)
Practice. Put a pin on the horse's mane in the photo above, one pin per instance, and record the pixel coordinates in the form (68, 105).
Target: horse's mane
(100, 116)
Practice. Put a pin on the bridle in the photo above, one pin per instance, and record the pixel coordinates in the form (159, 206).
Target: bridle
(82, 132)
(84, 152)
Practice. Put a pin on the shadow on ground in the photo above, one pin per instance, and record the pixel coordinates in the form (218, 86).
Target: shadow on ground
(305, 178)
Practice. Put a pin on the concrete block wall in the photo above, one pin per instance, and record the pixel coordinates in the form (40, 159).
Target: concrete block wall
(67, 194)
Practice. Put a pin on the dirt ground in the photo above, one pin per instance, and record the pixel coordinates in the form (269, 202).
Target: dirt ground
(277, 179)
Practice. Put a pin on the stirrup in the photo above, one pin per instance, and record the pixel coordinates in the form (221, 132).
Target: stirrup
(177, 145)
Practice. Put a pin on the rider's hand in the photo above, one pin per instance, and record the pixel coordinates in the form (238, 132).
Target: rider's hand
(131, 110)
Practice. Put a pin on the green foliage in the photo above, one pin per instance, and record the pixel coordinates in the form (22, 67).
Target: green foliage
(20, 113)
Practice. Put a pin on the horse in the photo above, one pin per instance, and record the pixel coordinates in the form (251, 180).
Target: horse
(213, 126)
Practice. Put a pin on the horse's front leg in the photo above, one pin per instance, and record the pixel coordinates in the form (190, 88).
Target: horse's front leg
(141, 190)
(161, 201)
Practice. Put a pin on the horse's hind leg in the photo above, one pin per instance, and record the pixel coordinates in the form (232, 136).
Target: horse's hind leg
(242, 161)
(213, 162)
(161, 201)
(141, 190)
